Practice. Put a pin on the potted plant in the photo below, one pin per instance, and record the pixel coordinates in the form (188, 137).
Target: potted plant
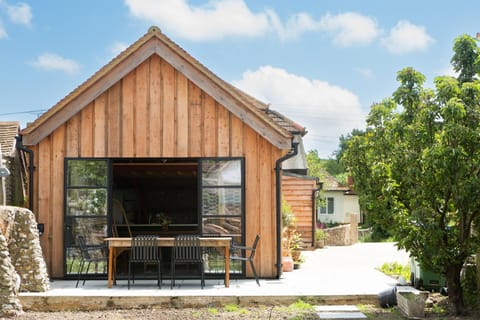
(296, 246)
(320, 236)
(297, 263)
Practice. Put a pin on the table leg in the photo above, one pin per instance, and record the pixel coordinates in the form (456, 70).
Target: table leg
(227, 266)
(110, 266)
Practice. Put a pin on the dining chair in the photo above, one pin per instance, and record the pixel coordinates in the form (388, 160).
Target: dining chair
(187, 250)
(144, 249)
(244, 253)
(88, 255)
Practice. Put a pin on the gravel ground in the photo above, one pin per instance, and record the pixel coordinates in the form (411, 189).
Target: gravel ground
(231, 312)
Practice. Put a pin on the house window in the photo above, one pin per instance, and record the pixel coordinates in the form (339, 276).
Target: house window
(328, 206)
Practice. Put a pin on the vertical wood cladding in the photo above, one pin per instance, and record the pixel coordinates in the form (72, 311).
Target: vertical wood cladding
(155, 111)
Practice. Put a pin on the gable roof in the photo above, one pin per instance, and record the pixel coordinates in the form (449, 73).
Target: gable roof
(8, 131)
(274, 127)
(330, 183)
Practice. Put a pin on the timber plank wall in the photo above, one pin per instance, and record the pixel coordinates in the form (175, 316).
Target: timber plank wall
(298, 193)
(155, 111)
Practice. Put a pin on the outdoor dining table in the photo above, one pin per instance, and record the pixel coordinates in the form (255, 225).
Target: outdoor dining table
(117, 245)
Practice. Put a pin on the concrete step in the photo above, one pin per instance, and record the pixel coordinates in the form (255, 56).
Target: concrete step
(339, 312)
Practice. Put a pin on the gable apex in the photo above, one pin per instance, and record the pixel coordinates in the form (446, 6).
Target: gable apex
(251, 111)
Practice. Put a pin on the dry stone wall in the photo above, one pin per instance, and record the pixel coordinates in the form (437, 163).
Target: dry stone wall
(22, 264)
(9, 303)
(343, 235)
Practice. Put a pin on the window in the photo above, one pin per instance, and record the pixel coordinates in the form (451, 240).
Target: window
(328, 206)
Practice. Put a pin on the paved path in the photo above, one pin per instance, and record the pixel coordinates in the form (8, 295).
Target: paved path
(347, 269)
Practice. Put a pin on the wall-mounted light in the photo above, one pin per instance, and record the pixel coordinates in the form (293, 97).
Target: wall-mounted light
(41, 228)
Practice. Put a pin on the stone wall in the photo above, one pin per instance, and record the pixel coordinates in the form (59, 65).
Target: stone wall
(22, 264)
(343, 235)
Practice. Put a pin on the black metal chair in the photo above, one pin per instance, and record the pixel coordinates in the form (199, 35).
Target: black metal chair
(187, 250)
(238, 252)
(144, 249)
(88, 255)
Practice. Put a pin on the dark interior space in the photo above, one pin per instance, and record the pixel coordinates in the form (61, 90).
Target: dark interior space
(155, 197)
(158, 198)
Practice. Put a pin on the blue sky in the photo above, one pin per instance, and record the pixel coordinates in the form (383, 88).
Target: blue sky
(320, 62)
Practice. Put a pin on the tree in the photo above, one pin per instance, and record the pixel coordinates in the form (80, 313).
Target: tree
(417, 167)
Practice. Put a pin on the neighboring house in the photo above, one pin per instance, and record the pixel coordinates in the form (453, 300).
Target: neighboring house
(159, 132)
(301, 191)
(13, 186)
(340, 201)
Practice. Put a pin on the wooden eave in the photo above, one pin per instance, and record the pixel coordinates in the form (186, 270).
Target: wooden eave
(248, 109)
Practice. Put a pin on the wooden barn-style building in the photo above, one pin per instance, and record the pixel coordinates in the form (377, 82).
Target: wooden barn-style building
(152, 138)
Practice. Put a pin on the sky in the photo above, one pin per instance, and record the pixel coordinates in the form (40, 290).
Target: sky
(322, 63)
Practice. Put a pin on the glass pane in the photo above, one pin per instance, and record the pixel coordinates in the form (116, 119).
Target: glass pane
(221, 173)
(94, 230)
(74, 259)
(230, 227)
(222, 201)
(83, 173)
(330, 205)
(87, 202)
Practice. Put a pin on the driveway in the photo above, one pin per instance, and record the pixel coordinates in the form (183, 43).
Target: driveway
(347, 270)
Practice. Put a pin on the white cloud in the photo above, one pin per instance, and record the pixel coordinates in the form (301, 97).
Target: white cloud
(448, 71)
(327, 111)
(118, 47)
(224, 18)
(406, 37)
(51, 61)
(20, 13)
(350, 28)
(3, 32)
(215, 20)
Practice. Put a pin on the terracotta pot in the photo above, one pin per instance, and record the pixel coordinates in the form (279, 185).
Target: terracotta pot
(287, 264)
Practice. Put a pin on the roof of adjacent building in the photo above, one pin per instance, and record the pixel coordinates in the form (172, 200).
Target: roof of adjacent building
(330, 183)
(8, 131)
(154, 41)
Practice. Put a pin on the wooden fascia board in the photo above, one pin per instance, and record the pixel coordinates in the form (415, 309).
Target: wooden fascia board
(72, 106)
(204, 82)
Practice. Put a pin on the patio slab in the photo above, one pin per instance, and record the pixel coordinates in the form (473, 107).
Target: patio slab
(330, 276)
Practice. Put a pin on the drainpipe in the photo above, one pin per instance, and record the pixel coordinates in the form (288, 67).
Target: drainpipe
(19, 145)
(278, 169)
(314, 209)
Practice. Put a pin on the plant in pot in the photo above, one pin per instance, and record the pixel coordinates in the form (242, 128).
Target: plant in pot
(296, 246)
(320, 236)
(299, 261)
(288, 227)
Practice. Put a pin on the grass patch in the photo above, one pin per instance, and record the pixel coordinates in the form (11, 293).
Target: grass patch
(212, 310)
(396, 269)
(235, 308)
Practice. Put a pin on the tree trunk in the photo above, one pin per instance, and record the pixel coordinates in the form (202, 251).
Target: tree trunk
(455, 293)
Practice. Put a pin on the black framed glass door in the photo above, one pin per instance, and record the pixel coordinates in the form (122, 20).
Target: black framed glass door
(86, 211)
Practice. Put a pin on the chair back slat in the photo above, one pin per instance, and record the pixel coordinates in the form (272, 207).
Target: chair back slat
(145, 249)
(187, 248)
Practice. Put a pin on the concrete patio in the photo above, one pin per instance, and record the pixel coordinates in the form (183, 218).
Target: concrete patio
(329, 276)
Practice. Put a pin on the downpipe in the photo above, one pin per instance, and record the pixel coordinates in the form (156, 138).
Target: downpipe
(278, 178)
